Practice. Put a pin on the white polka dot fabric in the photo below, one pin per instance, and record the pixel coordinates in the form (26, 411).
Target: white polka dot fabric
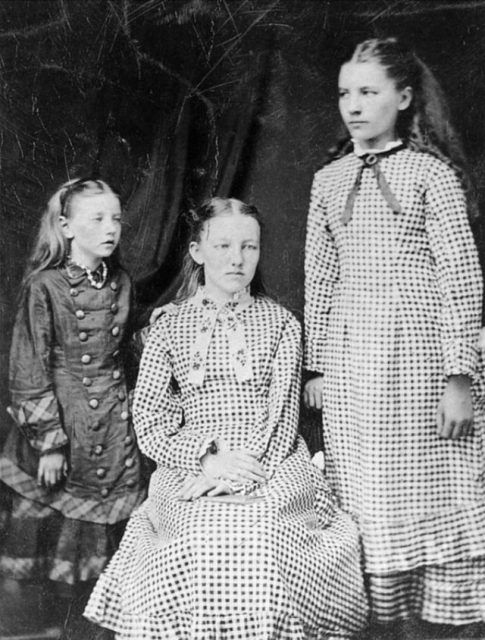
(285, 566)
(393, 306)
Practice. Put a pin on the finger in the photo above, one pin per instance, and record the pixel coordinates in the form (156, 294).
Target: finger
(461, 430)
(248, 476)
(244, 467)
(306, 399)
(199, 487)
(248, 461)
(318, 399)
(186, 487)
(448, 428)
(220, 489)
(440, 419)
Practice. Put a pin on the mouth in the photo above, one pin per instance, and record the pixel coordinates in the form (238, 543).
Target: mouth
(109, 243)
(235, 273)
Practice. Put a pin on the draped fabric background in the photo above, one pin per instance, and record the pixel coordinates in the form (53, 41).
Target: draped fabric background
(172, 101)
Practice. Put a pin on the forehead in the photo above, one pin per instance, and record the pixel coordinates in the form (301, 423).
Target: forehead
(363, 74)
(232, 225)
(94, 202)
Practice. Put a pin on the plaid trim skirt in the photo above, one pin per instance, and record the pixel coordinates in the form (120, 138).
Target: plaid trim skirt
(40, 543)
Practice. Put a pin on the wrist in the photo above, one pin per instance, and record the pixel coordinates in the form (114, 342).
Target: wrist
(462, 381)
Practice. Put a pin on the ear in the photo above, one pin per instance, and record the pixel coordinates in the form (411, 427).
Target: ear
(66, 229)
(406, 98)
(195, 253)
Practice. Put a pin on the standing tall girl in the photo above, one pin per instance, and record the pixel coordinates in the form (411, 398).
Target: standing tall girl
(393, 308)
(73, 462)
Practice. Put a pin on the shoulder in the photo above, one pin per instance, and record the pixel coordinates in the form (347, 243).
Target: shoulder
(334, 167)
(43, 282)
(277, 313)
(430, 167)
(168, 313)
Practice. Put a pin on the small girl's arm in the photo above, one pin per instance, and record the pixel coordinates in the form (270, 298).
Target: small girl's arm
(34, 403)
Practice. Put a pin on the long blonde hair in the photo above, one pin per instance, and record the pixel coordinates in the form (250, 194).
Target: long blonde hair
(51, 247)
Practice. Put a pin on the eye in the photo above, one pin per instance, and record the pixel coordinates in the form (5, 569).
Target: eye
(222, 245)
(251, 246)
(342, 93)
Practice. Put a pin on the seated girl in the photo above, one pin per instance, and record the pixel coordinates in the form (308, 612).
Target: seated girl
(240, 537)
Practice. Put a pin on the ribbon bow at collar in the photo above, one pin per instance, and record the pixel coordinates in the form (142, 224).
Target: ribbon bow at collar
(225, 313)
(371, 161)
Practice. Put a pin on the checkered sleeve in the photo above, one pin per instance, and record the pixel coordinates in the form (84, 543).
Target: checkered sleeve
(458, 271)
(157, 410)
(284, 394)
(321, 273)
(34, 404)
(277, 439)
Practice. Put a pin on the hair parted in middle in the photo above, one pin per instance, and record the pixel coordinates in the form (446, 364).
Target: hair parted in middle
(426, 124)
(192, 273)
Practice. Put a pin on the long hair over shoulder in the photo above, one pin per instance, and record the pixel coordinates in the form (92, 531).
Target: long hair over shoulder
(193, 273)
(425, 125)
(51, 247)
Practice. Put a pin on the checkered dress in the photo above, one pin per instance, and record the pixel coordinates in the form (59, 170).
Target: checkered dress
(284, 566)
(393, 305)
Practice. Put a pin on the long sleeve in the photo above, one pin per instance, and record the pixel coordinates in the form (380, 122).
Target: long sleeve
(34, 404)
(157, 411)
(278, 438)
(458, 271)
(321, 273)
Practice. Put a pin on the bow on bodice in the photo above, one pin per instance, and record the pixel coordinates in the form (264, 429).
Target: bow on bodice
(226, 314)
(371, 161)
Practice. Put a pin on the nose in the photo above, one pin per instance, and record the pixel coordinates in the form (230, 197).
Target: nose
(354, 103)
(110, 226)
(236, 256)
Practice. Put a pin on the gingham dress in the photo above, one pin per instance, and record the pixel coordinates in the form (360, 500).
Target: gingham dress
(286, 565)
(393, 306)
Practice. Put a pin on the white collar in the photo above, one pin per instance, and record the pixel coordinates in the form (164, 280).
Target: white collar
(359, 151)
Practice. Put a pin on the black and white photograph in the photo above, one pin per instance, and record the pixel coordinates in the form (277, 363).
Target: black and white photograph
(242, 328)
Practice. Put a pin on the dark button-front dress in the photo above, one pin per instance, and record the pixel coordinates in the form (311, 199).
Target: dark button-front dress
(284, 562)
(69, 393)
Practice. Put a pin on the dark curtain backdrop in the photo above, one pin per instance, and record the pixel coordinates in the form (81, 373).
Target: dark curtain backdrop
(172, 101)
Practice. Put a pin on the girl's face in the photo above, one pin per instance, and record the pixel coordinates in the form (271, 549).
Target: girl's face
(229, 252)
(370, 103)
(93, 227)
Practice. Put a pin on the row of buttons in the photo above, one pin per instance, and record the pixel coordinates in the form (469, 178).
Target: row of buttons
(75, 292)
(101, 471)
(116, 375)
(131, 482)
(86, 358)
(80, 314)
(98, 449)
(83, 336)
